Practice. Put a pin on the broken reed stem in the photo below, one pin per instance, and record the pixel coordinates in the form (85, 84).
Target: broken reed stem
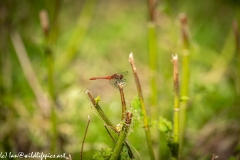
(81, 153)
(122, 100)
(100, 112)
(122, 137)
(145, 119)
(185, 73)
(184, 30)
(176, 109)
(152, 10)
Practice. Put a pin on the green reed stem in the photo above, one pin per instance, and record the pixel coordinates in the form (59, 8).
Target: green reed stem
(176, 109)
(185, 74)
(145, 119)
(152, 43)
(152, 47)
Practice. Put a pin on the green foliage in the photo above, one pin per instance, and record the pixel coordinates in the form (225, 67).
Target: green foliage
(152, 123)
(137, 111)
(165, 126)
(232, 158)
(103, 154)
(97, 99)
(174, 148)
(125, 154)
(109, 31)
(136, 104)
(184, 98)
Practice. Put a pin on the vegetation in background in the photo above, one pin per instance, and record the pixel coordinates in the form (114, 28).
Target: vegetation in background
(50, 49)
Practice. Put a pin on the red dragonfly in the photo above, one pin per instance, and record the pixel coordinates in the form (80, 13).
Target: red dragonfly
(115, 79)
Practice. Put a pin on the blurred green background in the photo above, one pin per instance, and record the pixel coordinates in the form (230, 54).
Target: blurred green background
(94, 38)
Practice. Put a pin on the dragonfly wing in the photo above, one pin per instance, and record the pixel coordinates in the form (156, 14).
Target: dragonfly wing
(123, 73)
(116, 82)
(113, 82)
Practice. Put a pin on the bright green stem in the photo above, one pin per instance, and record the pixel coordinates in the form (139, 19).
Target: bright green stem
(121, 140)
(175, 144)
(185, 74)
(78, 35)
(152, 43)
(122, 137)
(176, 119)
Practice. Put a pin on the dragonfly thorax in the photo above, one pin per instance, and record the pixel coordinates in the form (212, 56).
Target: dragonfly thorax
(116, 76)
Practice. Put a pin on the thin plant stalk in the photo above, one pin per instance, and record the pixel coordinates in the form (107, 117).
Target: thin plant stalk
(122, 100)
(81, 152)
(109, 133)
(122, 137)
(145, 119)
(176, 109)
(185, 74)
(43, 102)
